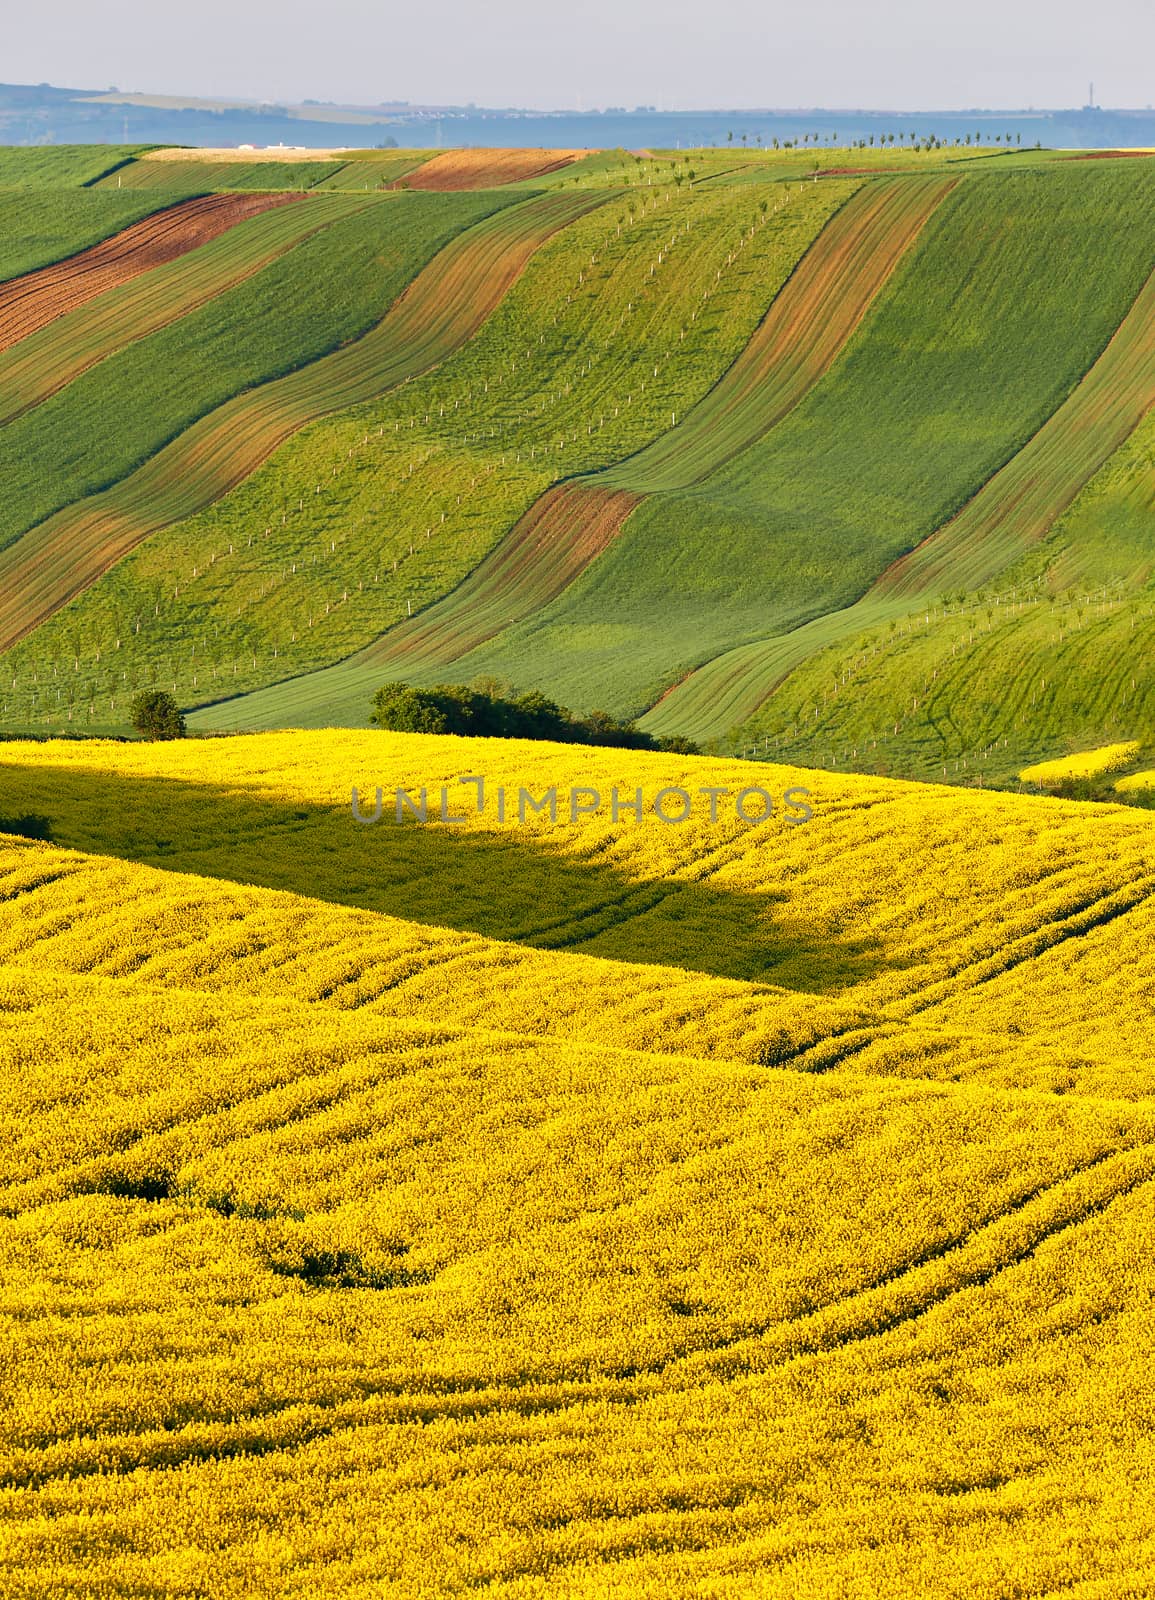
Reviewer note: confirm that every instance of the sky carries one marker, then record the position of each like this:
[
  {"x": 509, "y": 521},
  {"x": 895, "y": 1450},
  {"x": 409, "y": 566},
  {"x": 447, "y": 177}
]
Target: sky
[{"x": 588, "y": 54}]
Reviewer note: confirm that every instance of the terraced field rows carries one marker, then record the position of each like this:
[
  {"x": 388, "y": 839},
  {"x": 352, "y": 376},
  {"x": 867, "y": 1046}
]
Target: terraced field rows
[
  {"x": 563, "y": 373},
  {"x": 804, "y": 331},
  {"x": 442, "y": 308},
  {"x": 822, "y": 503}
]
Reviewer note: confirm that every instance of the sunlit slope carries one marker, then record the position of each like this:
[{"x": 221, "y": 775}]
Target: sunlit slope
[
  {"x": 43, "y": 362},
  {"x": 487, "y": 168},
  {"x": 893, "y": 900},
  {"x": 1057, "y": 654},
  {"x": 990, "y": 537},
  {"x": 105, "y": 423},
  {"x": 61, "y": 166},
  {"x": 318, "y": 552},
  {"x": 982, "y": 333},
  {"x": 31, "y": 302},
  {"x": 347, "y": 1255},
  {"x": 58, "y": 558},
  {"x": 39, "y": 226},
  {"x": 572, "y": 524}
]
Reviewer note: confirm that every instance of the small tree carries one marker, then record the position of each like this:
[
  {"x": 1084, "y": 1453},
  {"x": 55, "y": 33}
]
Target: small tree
[{"x": 155, "y": 714}]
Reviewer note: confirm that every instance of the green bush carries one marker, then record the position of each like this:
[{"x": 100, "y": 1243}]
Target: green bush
[
  {"x": 487, "y": 713},
  {"x": 155, "y": 714}
]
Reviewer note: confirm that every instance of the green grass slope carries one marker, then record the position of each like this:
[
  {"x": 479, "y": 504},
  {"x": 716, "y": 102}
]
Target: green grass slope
[
  {"x": 442, "y": 308},
  {"x": 1059, "y": 654},
  {"x": 202, "y": 176},
  {"x": 983, "y": 332},
  {"x": 56, "y": 166},
  {"x": 561, "y": 377},
  {"x": 808, "y": 322},
  {"x": 99, "y": 428},
  {"x": 989, "y": 538},
  {"x": 43, "y": 362}
]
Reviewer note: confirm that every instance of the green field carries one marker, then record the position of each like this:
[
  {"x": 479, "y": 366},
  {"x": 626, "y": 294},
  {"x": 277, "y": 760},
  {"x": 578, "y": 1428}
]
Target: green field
[
  {"x": 523, "y": 389},
  {"x": 673, "y": 347},
  {"x": 39, "y": 226},
  {"x": 62, "y": 166},
  {"x": 201, "y": 177},
  {"x": 43, "y": 362},
  {"x": 805, "y": 519}
]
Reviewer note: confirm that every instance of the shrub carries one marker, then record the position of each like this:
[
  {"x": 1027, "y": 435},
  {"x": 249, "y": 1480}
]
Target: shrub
[
  {"x": 491, "y": 712},
  {"x": 155, "y": 714}
]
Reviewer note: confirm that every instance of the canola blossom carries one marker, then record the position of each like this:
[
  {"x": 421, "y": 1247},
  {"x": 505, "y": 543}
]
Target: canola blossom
[
  {"x": 568, "y": 1209},
  {"x": 1087, "y": 764}
]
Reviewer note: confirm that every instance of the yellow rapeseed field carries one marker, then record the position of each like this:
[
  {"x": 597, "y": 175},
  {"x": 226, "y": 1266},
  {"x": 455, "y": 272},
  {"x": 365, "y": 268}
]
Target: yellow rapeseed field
[
  {"x": 1087, "y": 764},
  {"x": 1136, "y": 780},
  {"x": 569, "y": 1207}
]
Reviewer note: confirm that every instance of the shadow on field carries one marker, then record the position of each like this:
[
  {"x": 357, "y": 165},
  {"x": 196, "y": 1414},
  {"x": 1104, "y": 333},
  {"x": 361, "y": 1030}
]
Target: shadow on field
[{"x": 514, "y": 885}]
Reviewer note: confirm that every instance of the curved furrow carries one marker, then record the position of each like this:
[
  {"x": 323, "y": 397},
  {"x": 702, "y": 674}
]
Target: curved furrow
[
  {"x": 809, "y": 322},
  {"x": 45, "y": 361},
  {"x": 487, "y": 169},
  {"x": 442, "y": 308},
  {"x": 558, "y": 536},
  {"x": 30, "y": 303},
  {"x": 1013, "y": 510}
]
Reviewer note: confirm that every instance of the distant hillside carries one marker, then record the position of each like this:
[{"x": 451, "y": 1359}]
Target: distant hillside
[{"x": 45, "y": 114}]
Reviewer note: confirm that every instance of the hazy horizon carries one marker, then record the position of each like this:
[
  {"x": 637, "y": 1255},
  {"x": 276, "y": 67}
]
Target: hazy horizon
[{"x": 626, "y": 54}]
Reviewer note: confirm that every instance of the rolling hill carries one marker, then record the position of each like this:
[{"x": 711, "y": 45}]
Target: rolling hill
[
  {"x": 599, "y": 1204},
  {"x": 722, "y": 422},
  {"x": 435, "y": 1165}
]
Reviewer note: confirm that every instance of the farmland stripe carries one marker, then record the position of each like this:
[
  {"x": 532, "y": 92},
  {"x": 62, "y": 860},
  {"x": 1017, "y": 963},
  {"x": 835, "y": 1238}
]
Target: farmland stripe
[
  {"x": 44, "y": 362},
  {"x": 487, "y": 169},
  {"x": 33, "y": 301},
  {"x": 443, "y": 307},
  {"x": 1012, "y": 511},
  {"x": 806, "y": 327}
]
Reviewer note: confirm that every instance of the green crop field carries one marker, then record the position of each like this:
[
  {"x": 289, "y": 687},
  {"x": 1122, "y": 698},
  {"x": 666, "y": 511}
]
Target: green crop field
[
  {"x": 931, "y": 397},
  {"x": 676, "y": 466},
  {"x": 109, "y": 421},
  {"x": 199, "y": 177},
  {"x": 523, "y": 389},
  {"x": 39, "y": 226},
  {"x": 45, "y": 361},
  {"x": 62, "y": 165}
]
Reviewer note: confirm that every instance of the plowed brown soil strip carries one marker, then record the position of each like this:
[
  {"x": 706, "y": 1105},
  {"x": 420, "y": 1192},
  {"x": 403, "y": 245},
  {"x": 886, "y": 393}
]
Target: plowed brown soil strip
[
  {"x": 487, "y": 169},
  {"x": 553, "y": 542},
  {"x": 1109, "y": 155},
  {"x": 443, "y": 307},
  {"x": 807, "y": 326},
  {"x": 33, "y": 301}
]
